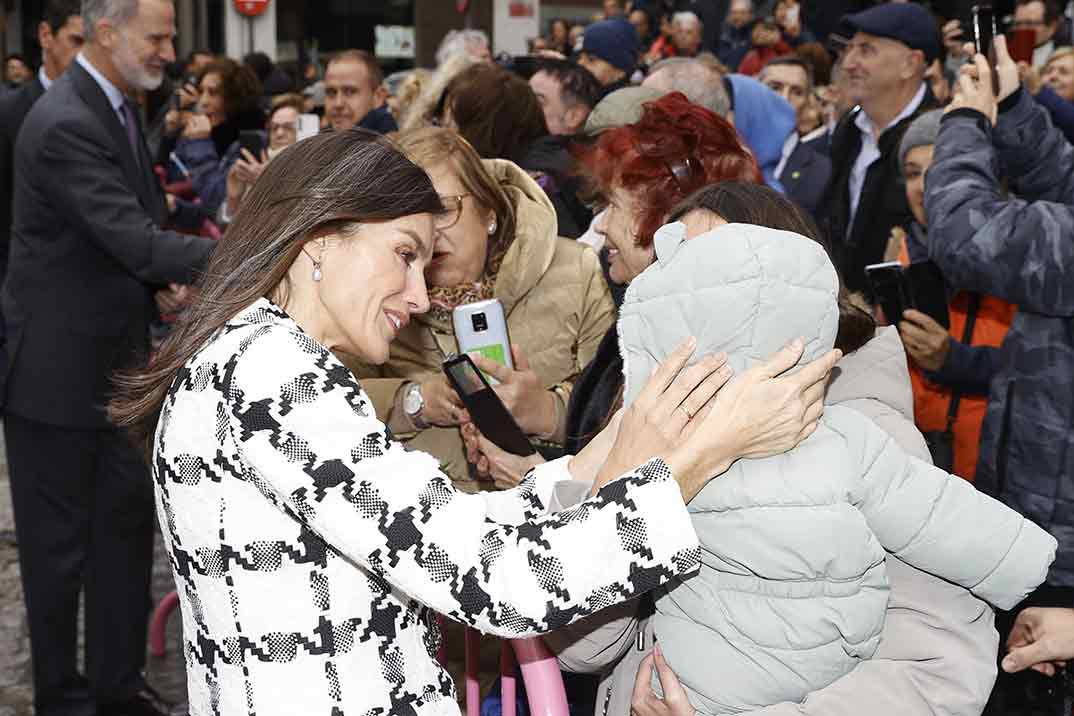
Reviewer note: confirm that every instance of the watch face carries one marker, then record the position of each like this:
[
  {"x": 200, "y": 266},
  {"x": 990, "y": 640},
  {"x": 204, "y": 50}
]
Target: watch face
[{"x": 412, "y": 401}]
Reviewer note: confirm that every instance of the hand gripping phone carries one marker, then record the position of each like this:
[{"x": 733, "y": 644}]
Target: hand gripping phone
[
  {"x": 481, "y": 328},
  {"x": 919, "y": 286},
  {"x": 485, "y": 407},
  {"x": 252, "y": 141}
]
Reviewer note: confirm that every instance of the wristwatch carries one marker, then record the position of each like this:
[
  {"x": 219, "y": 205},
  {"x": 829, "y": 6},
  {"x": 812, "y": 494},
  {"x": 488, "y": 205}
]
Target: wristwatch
[{"x": 413, "y": 403}]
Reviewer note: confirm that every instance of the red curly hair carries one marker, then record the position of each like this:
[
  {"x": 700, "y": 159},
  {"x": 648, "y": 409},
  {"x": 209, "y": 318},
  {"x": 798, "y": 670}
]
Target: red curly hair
[{"x": 675, "y": 148}]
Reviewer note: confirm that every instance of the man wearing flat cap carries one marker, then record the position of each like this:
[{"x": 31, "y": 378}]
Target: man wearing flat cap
[{"x": 889, "y": 50}]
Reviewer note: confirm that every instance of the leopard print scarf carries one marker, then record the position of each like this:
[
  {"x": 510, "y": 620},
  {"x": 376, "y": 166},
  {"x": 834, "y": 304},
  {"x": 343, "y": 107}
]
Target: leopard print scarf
[{"x": 444, "y": 299}]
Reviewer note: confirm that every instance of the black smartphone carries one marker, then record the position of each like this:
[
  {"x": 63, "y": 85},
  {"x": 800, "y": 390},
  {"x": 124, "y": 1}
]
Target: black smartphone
[
  {"x": 252, "y": 141},
  {"x": 886, "y": 282},
  {"x": 919, "y": 286},
  {"x": 983, "y": 24},
  {"x": 928, "y": 291},
  {"x": 485, "y": 408}
]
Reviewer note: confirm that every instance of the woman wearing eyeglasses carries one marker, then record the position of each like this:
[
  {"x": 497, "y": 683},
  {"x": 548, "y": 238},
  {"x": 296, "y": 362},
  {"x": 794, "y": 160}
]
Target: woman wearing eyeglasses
[
  {"x": 282, "y": 132},
  {"x": 498, "y": 240}
]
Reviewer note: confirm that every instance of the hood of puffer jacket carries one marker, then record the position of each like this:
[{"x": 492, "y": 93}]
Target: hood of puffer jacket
[
  {"x": 741, "y": 289},
  {"x": 536, "y": 231}
]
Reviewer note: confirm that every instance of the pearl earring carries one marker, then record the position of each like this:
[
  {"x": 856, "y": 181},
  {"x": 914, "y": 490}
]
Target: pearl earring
[
  {"x": 492, "y": 227},
  {"x": 317, "y": 271}
]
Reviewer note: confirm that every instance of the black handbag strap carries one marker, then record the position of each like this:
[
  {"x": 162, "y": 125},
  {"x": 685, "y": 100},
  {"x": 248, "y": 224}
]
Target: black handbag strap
[{"x": 967, "y": 336}]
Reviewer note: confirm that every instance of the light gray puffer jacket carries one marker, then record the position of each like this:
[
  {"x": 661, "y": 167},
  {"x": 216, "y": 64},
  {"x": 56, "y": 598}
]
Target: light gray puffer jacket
[{"x": 792, "y": 590}]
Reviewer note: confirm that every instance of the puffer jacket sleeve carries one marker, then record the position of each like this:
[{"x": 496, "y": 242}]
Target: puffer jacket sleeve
[
  {"x": 940, "y": 523},
  {"x": 1020, "y": 251},
  {"x": 496, "y": 561},
  {"x": 1033, "y": 153}
]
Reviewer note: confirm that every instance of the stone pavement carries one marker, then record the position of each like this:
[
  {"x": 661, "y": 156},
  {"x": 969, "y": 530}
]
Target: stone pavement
[{"x": 16, "y": 695}]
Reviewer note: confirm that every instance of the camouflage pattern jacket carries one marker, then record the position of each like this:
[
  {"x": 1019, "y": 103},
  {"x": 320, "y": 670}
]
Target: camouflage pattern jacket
[{"x": 1022, "y": 250}]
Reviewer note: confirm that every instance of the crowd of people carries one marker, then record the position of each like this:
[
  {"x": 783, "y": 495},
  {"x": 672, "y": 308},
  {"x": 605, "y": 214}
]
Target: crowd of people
[{"x": 761, "y": 478}]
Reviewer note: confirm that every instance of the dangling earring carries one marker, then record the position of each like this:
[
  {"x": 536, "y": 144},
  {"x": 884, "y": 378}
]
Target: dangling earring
[
  {"x": 492, "y": 227},
  {"x": 317, "y": 276}
]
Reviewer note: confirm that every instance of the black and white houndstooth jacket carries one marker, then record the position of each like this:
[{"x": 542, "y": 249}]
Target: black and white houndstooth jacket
[{"x": 310, "y": 550}]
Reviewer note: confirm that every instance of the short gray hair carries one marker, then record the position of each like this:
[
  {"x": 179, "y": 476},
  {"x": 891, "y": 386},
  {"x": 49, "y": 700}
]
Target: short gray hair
[
  {"x": 118, "y": 11},
  {"x": 456, "y": 42},
  {"x": 700, "y": 81},
  {"x": 686, "y": 18}
]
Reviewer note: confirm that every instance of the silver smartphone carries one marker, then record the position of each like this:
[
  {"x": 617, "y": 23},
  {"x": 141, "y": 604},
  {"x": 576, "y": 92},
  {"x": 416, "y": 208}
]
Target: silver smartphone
[
  {"x": 482, "y": 328},
  {"x": 309, "y": 125}
]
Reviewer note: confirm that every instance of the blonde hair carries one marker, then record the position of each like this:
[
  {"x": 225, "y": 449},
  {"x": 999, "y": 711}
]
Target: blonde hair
[
  {"x": 1061, "y": 53},
  {"x": 432, "y": 146},
  {"x": 423, "y": 109},
  {"x": 411, "y": 88}
]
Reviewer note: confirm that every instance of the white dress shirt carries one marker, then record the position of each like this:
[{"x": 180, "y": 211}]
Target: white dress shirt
[
  {"x": 43, "y": 78},
  {"x": 870, "y": 150},
  {"x": 113, "y": 93}
]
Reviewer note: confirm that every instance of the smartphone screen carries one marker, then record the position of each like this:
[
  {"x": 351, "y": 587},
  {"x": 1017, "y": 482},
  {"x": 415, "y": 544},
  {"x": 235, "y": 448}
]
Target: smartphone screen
[{"x": 466, "y": 377}]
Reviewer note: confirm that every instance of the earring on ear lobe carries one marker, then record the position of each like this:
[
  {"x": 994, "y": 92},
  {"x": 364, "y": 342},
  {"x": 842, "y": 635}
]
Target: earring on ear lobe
[
  {"x": 317, "y": 275},
  {"x": 492, "y": 227}
]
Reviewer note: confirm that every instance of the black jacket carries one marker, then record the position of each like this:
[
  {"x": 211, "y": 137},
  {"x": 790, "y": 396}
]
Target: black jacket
[
  {"x": 86, "y": 255},
  {"x": 549, "y": 161},
  {"x": 596, "y": 392},
  {"x": 883, "y": 196},
  {"x": 14, "y": 106}
]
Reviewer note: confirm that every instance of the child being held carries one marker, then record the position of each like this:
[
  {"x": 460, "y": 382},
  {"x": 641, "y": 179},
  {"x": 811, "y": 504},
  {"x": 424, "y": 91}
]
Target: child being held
[{"x": 792, "y": 590}]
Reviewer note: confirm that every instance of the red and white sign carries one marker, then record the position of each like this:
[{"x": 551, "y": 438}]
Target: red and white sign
[{"x": 251, "y": 8}]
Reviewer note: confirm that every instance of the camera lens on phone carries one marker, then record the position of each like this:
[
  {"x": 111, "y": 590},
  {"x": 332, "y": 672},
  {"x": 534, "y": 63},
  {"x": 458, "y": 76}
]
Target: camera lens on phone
[{"x": 480, "y": 322}]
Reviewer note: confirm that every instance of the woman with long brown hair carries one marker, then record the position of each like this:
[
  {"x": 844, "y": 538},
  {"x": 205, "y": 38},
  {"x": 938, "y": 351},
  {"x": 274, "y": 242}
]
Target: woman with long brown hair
[{"x": 309, "y": 548}]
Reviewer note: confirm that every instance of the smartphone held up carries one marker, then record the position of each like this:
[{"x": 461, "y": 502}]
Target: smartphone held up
[
  {"x": 481, "y": 328},
  {"x": 985, "y": 29}
]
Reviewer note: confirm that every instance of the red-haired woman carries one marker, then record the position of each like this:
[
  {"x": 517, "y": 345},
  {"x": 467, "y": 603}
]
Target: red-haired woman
[{"x": 643, "y": 170}]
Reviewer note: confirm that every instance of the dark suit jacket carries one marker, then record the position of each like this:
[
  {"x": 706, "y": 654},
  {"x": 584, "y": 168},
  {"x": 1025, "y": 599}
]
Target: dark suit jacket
[
  {"x": 822, "y": 144},
  {"x": 87, "y": 252},
  {"x": 805, "y": 176},
  {"x": 882, "y": 205},
  {"x": 14, "y": 106}
]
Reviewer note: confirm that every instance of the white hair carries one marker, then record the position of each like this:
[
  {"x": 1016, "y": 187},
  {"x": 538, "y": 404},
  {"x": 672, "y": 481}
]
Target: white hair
[
  {"x": 747, "y": 3},
  {"x": 459, "y": 41},
  {"x": 699, "y": 81},
  {"x": 686, "y": 18},
  {"x": 118, "y": 11}
]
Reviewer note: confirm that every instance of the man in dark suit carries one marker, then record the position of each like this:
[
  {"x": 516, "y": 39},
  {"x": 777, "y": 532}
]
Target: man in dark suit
[
  {"x": 60, "y": 36},
  {"x": 87, "y": 255},
  {"x": 803, "y": 172}
]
